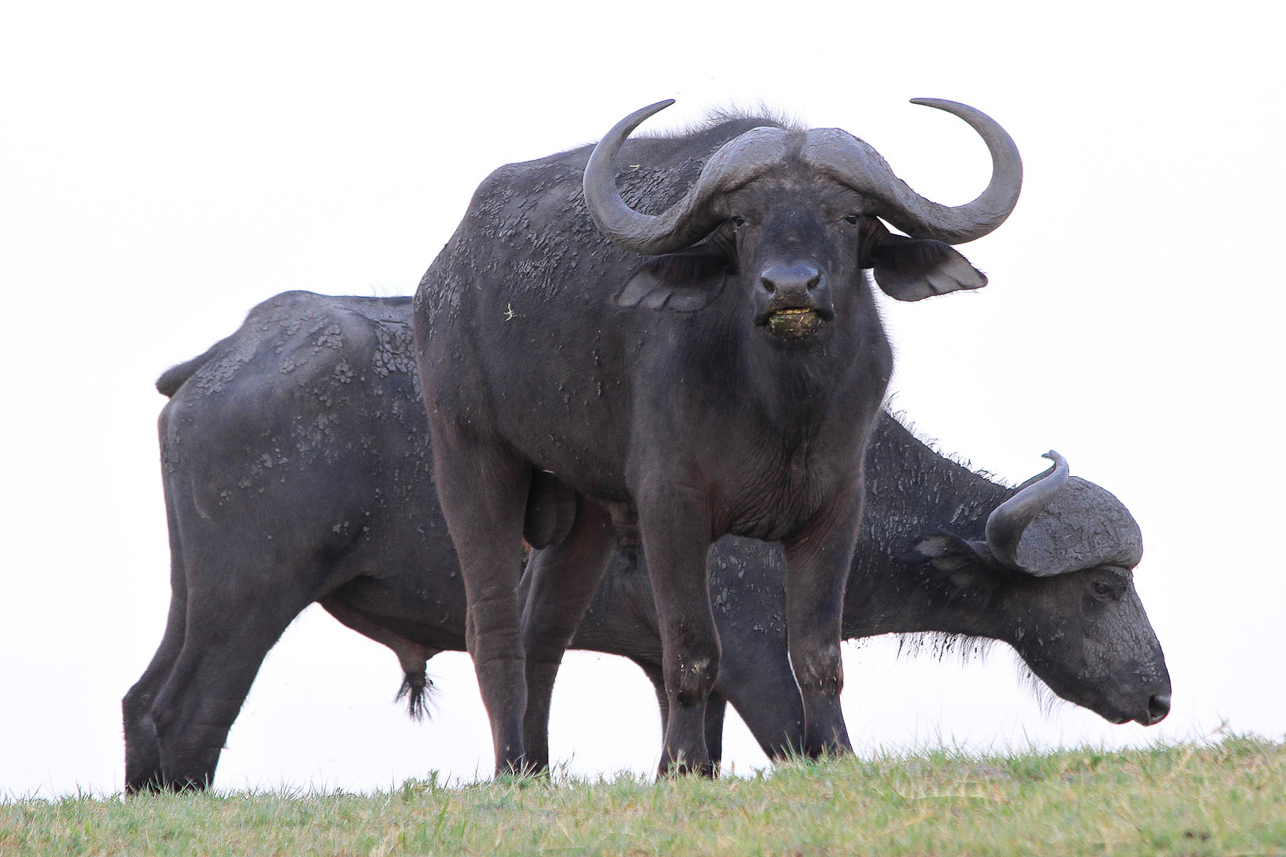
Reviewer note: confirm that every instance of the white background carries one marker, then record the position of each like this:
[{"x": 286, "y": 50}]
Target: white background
[{"x": 164, "y": 167}]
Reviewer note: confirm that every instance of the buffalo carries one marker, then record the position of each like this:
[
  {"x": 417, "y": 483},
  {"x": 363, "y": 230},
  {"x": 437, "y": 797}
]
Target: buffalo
[
  {"x": 296, "y": 469},
  {"x": 714, "y": 368}
]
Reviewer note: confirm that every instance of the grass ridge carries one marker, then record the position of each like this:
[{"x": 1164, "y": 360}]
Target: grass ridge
[{"x": 1223, "y": 798}]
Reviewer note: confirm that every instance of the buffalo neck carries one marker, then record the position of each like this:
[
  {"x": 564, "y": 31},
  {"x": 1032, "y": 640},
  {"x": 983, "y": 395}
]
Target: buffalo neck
[{"x": 913, "y": 492}]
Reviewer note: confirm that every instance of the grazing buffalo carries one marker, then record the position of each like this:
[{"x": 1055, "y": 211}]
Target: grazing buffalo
[
  {"x": 297, "y": 469},
  {"x": 711, "y": 369}
]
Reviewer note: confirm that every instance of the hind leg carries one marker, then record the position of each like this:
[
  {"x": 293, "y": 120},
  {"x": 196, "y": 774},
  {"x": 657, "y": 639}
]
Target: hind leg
[
  {"x": 817, "y": 567},
  {"x": 563, "y": 581},
  {"x": 142, "y": 750},
  {"x": 228, "y": 635},
  {"x": 483, "y": 491}
]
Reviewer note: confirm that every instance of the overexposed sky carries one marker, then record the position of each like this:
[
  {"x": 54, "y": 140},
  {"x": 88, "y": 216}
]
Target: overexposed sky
[{"x": 164, "y": 167}]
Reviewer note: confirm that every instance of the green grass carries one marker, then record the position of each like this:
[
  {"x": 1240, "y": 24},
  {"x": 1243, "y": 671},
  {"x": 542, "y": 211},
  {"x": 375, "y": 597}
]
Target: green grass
[{"x": 1228, "y": 798}]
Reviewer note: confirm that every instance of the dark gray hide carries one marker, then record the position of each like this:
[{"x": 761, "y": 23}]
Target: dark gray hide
[
  {"x": 714, "y": 368},
  {"x": 296, "y": 469}
]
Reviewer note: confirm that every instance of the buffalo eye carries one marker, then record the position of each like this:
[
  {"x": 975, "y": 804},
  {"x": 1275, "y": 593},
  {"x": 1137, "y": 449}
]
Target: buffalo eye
[{"x": 1103, "y": 590}]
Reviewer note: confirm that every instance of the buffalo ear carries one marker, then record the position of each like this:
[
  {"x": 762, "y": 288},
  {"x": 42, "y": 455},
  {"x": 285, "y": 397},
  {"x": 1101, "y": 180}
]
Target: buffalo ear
[
  {"x": 964, "y": 563},
  {"x": 911, "y": 269},
  {"x": 684, "y": 282},
  {"x": 952, "y": 554},
  {"x": 949, "y": 553}
]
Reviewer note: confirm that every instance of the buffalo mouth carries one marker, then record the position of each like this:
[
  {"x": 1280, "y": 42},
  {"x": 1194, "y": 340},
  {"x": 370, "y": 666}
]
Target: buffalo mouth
[
  {"x": 793, "y": 324},
  {"x": 1153, "y": 712}
]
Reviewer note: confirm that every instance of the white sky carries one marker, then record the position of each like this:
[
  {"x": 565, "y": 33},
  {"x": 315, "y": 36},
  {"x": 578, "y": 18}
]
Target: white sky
[{"x": 164, "y": 167}]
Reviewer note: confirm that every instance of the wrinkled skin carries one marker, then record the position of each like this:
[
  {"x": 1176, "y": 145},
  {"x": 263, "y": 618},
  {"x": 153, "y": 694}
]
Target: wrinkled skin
[
  {"x": 573, "y": 384},
  {"x": 296, "y": 469}
]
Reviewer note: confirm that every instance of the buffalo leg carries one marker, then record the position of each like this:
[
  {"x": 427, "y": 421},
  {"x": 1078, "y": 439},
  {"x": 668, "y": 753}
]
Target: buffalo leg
[
  {"x": 142, "y": 750},
  {"x": 483, "y": 491},
  {"x": 224, "y": 646},
  {"x": 564, "y": 578},
  {"x": 655, "y": 675},
  {"x": 759, "y": 683},
  {"x": 756, "y": 677},
  {"x": 716, "y": 709},
  {"x": 817, "y": 567},
  {"x": 675, "y": 543}
]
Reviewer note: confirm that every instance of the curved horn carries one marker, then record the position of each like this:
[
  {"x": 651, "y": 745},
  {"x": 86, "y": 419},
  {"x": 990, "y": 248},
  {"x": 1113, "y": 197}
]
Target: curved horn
[
  {"x": 691, "y": 218},
  {"x": 1007, "y": 521},
  {"x": 857, "y": 164}
]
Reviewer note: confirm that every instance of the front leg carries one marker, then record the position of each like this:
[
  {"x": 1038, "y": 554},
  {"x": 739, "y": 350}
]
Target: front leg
[
  {"x": 756, "y": 677},
  {"x": 817, "y": 566},
  {"x": 675, "y": 528},
  {"x": 716, "y": 709}
]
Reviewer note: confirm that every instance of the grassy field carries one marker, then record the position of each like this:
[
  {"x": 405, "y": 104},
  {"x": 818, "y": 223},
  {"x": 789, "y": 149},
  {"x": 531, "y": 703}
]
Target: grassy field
[{"x": 1228, "y": 798}]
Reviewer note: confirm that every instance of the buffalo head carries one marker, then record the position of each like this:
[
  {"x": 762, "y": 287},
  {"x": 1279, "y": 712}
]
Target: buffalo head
[
  {"x": 1059, "y": 559},
  {"x": 795, "y": 217}
]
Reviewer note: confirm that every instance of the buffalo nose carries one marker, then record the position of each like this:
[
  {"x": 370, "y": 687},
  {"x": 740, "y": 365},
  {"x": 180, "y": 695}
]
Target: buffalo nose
[
  {"x": 1158, "y": 708},
  {"x": 785, "y": 281}
]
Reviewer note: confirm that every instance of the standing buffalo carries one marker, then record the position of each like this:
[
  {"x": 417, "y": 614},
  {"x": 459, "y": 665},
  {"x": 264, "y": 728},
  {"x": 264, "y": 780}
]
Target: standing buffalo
[
  {"x": 297, "y": 469},
  {"x": 712, "y": 369}
]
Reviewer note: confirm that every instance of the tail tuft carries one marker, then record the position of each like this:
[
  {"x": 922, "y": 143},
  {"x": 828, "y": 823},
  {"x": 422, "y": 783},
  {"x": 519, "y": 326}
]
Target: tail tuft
[{"x": 417, "y": 688}]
